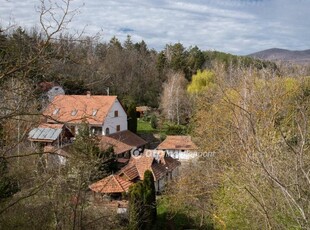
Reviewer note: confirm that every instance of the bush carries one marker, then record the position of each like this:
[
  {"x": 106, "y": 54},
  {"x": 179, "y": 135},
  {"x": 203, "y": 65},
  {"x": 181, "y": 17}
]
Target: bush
[
  {"x": 154, "y": 122},
  {"x": 176, "y": 130}
]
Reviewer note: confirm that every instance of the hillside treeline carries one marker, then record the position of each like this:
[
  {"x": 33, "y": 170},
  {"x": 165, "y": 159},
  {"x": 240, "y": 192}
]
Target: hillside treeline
[{"x": 130, "y": 70}]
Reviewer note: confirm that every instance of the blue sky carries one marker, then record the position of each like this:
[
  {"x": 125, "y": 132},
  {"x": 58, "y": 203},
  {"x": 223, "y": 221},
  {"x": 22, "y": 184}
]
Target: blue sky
[{"x": 234, "y": 26}]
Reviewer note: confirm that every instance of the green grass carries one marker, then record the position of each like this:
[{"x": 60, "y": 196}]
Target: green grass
[
  {"x": 166, "y": 221},
  {"x": 145, "y": 127},
  {"x": 165, "y": 129}
]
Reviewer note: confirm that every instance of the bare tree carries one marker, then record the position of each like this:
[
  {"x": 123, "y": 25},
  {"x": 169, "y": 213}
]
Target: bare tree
[{"x": 174, "y": 99}]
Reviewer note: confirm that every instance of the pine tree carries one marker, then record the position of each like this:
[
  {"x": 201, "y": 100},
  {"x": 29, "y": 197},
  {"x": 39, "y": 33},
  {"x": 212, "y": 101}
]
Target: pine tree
[
  {"x": 136, "y": 206},
  {"x": 149, "y": 199},
  {"x": 142, "y": 203},
  {"x": 132, "y": 118}
]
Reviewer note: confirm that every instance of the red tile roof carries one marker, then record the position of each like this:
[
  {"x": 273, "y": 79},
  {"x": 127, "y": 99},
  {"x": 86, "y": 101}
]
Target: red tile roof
[
  {"x": 130, "y": 172},
  {"x": 178, "y": 142},
  {"x": 51, "y": 126},
  {"x": 121, "y": 141},
  {"x": 74, "y": 108},
  {"x": 134, "y": 170},
  {"x": 159, "y": 165},
  {"x": 128, "y": 138},
  {"x": 118, "y": 146},
  {"x": 111, "y": 184}
]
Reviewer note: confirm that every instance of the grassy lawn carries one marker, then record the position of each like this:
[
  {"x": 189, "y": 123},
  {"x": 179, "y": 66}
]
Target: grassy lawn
[
  {"x": 166, "y": 221},
  {"x": 145, "y": 127}
]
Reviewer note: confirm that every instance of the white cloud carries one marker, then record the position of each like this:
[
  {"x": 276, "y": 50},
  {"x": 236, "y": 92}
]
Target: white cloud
[{"x": 237, "y": 26}]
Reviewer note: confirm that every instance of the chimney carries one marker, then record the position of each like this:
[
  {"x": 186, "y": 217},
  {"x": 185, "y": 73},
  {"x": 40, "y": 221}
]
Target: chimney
[
  {"x": 88, "y": 94},
  {"x": 156, "y": 156}
]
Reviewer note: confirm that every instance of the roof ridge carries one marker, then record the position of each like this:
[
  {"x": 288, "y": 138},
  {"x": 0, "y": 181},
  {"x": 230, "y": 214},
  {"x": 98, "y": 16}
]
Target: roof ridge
[{"x": 106, "y": 180}]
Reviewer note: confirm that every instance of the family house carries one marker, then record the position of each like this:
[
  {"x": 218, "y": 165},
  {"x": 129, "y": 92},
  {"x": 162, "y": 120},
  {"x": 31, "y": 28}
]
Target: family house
[
  {"x": 179, "y": 147},
  {"x": 163, "y": 168},
  {"x": 104, "y": 114},
  {"x": 123, "y": 143}
]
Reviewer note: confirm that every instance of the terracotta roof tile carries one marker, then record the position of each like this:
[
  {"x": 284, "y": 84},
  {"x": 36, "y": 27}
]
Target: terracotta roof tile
[
  {"x": 135, "y": 170},
  {"x": 128, "y": 138},
  {"x": 118, "y": 146},
  {"x": 138, "y": 165},
  {"x": 111, "y": 184},
  {"x": 51, "y": 126},
  {"x": 121, "y": 141},
  {"x": 74, "y": 108},
  {"x": 130, "y": 172},
  {"x": 177, "y": 142}
]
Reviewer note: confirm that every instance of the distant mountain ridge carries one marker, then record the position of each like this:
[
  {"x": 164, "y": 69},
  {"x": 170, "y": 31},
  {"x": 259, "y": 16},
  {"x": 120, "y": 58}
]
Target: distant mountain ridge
[{"x": 276, "y": 54}]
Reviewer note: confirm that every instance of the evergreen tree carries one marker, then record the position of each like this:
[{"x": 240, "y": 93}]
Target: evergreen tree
[
  {"x": 88, "y": 155},
  {"x": 142, "y": 203},
  {"x": 132, "y": 118},
  {"x": 85, "y": 144},
  {"x": 149, "y": 199},
  {"x": 195, "y": 61},
  {"x": 136, "y": 206}
]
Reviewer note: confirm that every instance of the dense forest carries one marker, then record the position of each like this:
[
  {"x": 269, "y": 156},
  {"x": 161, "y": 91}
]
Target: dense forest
[{"x": 252, "y": 114}]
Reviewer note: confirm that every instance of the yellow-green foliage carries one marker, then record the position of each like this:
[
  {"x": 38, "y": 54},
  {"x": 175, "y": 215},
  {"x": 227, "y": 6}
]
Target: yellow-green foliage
[
  {"x": 258, "y": 128},
  {"x": 201, "y": 81},
  {"x": 291, "y": 84}
]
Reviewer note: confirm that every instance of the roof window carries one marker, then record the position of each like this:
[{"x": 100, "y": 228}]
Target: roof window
[
  {"x": 94, "y": 112},
  {"x": 74, "y": 112},
  {"x": 56, "y": 111}
]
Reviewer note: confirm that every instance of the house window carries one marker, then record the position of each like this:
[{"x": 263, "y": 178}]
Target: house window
[
  {"x": 118, "y": 128},
  {"x": 115, "y": 113},
  {"x": 107, "y": 131}
]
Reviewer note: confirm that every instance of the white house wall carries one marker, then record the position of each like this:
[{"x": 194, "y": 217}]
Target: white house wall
[
  {"x": 181, "y": 155},
  {"x": 111, "y": 121}
]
